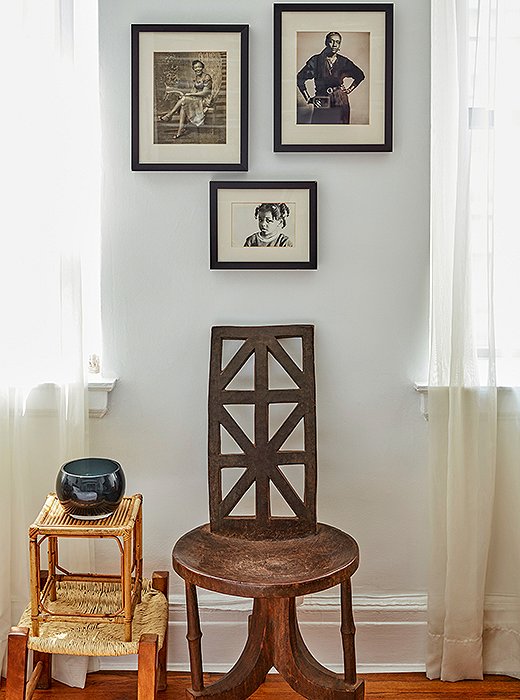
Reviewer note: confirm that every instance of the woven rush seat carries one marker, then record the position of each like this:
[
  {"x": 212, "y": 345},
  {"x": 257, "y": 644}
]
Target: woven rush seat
[{"x": 97, "y": 638}]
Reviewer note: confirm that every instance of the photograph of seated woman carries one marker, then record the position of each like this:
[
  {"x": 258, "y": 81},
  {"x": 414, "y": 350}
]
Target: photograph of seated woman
[
  {"x": 272, "y": 218},
  {"x": 192, "y": 106}
]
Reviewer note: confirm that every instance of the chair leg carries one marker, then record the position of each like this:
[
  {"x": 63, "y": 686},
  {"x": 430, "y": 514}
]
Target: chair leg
[
  {"x": 16, "y": 663},
  {"x": 348, "y": 630},
  {"x": 194, "y": 637},
  {"x": 250, "y": 670},
  {"x": 160, "y": 581},
  {"x": 147, "y": 667}
]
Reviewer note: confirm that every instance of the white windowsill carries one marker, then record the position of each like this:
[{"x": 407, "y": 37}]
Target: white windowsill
[
  {"x": 507, "y": 400},
  {"x": 98, "y": 390},
  {"x": 422, "y": 389}
]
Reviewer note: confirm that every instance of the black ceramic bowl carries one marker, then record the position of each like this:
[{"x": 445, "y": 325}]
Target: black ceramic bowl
[{"x": 90, "y": 488}]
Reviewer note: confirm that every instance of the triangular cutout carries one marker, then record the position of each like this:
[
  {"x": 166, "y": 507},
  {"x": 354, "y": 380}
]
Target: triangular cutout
[
  {"x": 279, "y": 506},
  {"x": 295, "y": 475},
  {"x": 244, "y": 379},
  {"x": 278, "y": 377},
  {"x": 229, "y": 350},
  {"x": 246, "y": 505},
  {"x": 244, "y": 417},
  {"x": 294, "y": 348},
  {"x": 228, "y": 445},
  {"x": 229, "y": 477},
  {"x": 278, "y": 414},
  {"x": 296, "y": 440}
]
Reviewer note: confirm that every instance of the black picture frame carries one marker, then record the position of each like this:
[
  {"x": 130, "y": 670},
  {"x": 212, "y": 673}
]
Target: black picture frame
[
  {"x": 332, "y": 119},
  {"x": 206, "y": 132},
  {"x": 239, "y": 210}
]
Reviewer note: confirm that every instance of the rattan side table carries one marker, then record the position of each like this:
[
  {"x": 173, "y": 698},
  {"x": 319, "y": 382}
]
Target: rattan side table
[{"x": 124, "y": 526}]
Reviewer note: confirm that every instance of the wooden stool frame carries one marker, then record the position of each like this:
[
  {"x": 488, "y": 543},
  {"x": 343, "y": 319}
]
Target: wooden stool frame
[{"x": 151, "y": 661}]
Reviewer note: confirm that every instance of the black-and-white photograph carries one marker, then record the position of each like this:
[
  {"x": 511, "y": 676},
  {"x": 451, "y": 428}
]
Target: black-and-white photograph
[
  {"x": 332, "y": 68},
  {"x": 263, "y": 225},
  {"x": 190, "y": 97},
  {"x": 273, "y": 221},
  {"x": 333, "y": 77}
]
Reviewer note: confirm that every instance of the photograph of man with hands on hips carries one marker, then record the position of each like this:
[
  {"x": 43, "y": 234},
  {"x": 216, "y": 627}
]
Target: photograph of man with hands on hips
[{"x": 332, "y": 77}]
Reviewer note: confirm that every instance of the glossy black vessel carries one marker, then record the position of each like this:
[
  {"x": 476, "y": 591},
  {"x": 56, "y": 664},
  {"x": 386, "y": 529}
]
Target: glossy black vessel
[{"x": 90, "y": 488}]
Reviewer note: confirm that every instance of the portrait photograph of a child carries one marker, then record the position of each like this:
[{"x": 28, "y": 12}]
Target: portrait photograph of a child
[{"x": 263, "y": 225}]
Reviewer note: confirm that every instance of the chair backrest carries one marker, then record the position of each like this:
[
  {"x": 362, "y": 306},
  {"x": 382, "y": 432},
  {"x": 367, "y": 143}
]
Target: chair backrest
[{"x": 261, "y": 397}]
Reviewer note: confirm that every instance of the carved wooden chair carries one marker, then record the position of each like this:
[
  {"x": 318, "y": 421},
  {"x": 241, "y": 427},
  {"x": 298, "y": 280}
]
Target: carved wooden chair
[{"x": 270, "y": 558}]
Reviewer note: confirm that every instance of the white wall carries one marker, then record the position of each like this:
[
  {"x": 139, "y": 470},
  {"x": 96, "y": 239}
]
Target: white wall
[{"x": 368, "y": 301}]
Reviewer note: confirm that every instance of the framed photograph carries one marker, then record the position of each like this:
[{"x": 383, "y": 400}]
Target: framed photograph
[
  {"x": 189, "y": 96},
  {"x": 333, "y": 77},
  {"x": 263, "y": 225}
]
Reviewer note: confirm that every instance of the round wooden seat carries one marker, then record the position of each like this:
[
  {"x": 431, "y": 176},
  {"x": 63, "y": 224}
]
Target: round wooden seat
[{"x": 266, "y": 568}]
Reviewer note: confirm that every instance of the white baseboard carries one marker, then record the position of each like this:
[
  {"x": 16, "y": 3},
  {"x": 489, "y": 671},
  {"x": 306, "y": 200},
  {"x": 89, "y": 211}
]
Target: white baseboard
[{"x": 390, "y": 636}]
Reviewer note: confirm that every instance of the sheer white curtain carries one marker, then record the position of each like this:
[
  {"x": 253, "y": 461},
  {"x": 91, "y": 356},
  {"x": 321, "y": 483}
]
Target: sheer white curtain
[
  {"x": 49, "y": 125},
  {"x": 474, "y": 609}
]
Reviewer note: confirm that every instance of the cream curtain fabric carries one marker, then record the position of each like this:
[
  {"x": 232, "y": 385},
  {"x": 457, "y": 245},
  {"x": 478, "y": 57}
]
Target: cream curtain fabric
[
  {"x": 43, "y": 395},
  {"x": 474, "y": 611}
]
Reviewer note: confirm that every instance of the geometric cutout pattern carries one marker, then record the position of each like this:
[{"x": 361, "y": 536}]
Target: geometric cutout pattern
[
  {"x": 295, "y": 474},
  {"x": 278, "y": 414},
  {"x": 244, "y": 379},
  {"x": 228, "y": 444},
  {"x": 279, "y": 506},
  {"x": 294, "y": 348},
  {"x": 230, "y": 476},
  {"x": 262, "y": 434},
  {"x": 229, "y": 349},
  {"x": 246, "y": 505},
  {"x": 278, "y": 377},
  {"x": 244, "y": 417},
  {"x": 295, "y": 442}
]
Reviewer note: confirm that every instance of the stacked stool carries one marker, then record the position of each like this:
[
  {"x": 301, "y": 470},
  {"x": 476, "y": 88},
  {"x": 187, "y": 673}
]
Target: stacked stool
[{"x": 90, "y": 614}]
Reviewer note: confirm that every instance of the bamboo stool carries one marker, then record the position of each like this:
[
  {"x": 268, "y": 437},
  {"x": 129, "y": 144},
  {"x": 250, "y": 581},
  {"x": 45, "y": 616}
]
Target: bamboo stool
[
  {"x": 124, "y": 526},
  {"x": 88, "y": 638}
]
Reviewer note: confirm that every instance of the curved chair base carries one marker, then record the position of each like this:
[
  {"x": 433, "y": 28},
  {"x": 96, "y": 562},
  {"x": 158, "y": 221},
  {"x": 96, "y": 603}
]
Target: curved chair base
[{"x": 274, "y": 640}]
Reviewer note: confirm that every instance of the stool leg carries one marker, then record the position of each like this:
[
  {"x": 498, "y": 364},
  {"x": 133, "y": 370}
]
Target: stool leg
[
  {"x": 45, "y": 680},
  {"x": 52, "y": 550},
  {"x": 34, "y": 555},
  {"x": 138, "y": 552},
  {"x": 127, "y": 587},
  {"x": 147, "y": 667},
  {"x": 348, "y": 631},
  {"x": 16, "y": 663},
  {"x": 194, "y": 636},
  {"x": 160, "y": 581}
]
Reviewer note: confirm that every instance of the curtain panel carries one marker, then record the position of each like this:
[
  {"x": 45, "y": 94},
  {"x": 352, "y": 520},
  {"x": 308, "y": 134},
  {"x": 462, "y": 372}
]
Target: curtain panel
[
  {"x": 473, "y": 610},
  {"x": 52, "y": 195}
]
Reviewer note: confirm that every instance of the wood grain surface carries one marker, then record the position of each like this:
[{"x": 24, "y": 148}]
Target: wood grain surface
[{"x": 390, "y": 686}]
